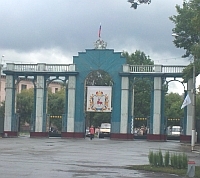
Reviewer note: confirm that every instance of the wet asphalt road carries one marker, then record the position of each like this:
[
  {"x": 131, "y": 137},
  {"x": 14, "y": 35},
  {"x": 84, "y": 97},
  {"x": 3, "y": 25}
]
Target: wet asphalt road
[{"x": 26, "y": 157}]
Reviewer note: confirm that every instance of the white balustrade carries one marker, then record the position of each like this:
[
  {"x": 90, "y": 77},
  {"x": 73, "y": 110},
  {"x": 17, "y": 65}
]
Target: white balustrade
[
  {"x": 66, "y": 68},
  {"x": 34, "y": 68},
  {"x": 151, "y": 69}
]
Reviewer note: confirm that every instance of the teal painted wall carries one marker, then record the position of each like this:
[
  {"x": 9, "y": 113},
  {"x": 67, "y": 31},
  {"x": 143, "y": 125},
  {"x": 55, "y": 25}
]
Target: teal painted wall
[{"x": 98, "y": 59}]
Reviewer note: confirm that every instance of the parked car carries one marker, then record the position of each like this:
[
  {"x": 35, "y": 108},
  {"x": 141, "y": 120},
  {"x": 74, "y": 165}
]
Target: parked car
[
  {"x": 176, "y": 130},
  {"x": 104, "y": 130}
]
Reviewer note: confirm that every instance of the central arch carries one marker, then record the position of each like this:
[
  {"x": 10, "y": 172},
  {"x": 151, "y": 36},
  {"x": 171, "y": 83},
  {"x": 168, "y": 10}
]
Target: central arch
[
  {"x": 102, "y": 82},
  {"x": 112, "y": 63}
]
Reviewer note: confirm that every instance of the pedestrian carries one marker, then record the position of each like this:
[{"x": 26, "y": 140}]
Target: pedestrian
[{"x": 91, "y": 132}]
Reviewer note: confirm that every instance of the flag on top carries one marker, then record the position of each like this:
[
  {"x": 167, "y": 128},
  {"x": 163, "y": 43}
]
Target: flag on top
[
  {"x": 100, "y": 31},
  {"x": 186, "y": 101}
]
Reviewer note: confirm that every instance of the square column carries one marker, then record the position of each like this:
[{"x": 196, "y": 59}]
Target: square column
[
  {"x": 39, "y": 114},
  {"x": 124, "y": 105},
  {"x": 157, "y": 105},
  {"x": 70, "y": 133},
  {"x": 71, "y": 103},
  {"x": 157, "y": 109},
  {"x": 10, "y": 122},
  {"x": 124, "y": 129},
  {"x": 39, "y": 104}
]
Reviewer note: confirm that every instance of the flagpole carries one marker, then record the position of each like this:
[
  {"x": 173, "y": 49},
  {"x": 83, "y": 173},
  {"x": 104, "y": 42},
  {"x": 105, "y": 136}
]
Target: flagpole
[
  {"x": 100, "y": 44},
  {"x": 100, "y": 32},
  {"x": 193, "y": 136}
]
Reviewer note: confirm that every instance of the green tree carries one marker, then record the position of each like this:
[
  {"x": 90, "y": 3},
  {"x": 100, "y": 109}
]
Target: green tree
[
  {"x": 2, "y": 109},
  {"x": 173, "y": 102},
  {"x": 56, "y": 103},
  {"x": 99, "y": 78},
  {"x": 25, "y": 105},
  {"x": 137, "y": 58},
  {"x": 142, "y": 86},
  {"x": 187, "y": 25},
  {"x": 99, "y": 118}
]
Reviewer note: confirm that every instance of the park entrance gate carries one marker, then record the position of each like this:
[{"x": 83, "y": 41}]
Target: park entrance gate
[{"x": 73, "y": 120}]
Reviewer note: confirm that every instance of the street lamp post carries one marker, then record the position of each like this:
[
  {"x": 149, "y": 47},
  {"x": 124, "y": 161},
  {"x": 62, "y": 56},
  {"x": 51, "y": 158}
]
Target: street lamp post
[
  {"x": 193, "y": 136},
  {"x": 194, "y": 107},
  {"x": 0, "y": 75}
]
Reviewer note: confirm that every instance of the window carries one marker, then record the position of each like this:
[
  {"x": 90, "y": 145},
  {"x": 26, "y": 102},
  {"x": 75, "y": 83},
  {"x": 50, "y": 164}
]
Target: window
[
  {"x": 23, "y": 87},
  {"x": 56, "y": 90}
]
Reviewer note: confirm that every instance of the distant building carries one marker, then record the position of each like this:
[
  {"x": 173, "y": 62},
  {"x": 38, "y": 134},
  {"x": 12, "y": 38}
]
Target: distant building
[{"x": 24, "y": 84}]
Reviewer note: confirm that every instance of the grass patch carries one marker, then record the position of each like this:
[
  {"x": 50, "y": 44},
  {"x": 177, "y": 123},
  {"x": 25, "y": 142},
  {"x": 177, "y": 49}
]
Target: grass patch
[{"x": 168, "y": 170}]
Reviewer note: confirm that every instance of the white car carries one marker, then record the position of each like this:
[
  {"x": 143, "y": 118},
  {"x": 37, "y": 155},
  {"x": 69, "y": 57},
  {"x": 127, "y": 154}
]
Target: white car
[
  {"x": 176, "y": 130},
  {"x": 104, "y": 130}
]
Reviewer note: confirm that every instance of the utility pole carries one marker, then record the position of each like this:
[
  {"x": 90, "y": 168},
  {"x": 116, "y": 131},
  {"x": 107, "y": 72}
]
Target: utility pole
[
  {"x": 0, "y": 75},
  {"x": 193, "y": 139},
  {"x": 193, "y": 91}
]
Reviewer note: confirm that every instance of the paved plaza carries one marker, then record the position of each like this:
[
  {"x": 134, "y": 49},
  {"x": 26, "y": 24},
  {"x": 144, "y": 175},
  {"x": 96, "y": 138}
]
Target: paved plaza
[{"x": 26, "y": 157}]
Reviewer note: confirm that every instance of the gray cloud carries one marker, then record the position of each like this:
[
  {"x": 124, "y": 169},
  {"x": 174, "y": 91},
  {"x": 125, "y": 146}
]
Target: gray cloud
[{"x": 72, "y": 26}]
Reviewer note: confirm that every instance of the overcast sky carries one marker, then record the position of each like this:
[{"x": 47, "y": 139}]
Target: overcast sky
[{"x": 53, "y": 31}]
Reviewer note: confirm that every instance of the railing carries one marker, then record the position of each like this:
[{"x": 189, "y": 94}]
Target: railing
[
  {"x": 39, "y": 67},
  {"x": 173, "y": 69},
  {"x": 142, "y": 68},
  {"x": 65, "y": 68},
  {"x": 25, "y": 67},
  {"x": 156, "y": 68},
  {"x": 57, "y": 67}
]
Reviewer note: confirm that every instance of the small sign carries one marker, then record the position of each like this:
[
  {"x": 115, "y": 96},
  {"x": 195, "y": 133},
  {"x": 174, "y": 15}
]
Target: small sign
[
  {"x": 191, "y": 162},
  {"x": 191, "y": 169}
]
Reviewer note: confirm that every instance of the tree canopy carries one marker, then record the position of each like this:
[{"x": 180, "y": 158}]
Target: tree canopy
[
  {"x": 25, "y": 105},
  {"x": 173, "y": 102},
  {"x": 142, "y": 86},
  {"x": 187, "y": 25},
  {"x": 137, "y": 58}
]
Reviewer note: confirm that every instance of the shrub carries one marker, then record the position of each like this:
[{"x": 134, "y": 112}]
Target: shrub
[
  {"x": 175, "y": 160},
  {"x": 155, "y": 159},
  {"x": 166, "y": 158},
  {"x": 150, "y": 156},
  {"x": 172, "y": 159},
  {"x": 178, "y": 161},
  {"x": 185, "y": 161},
  {"x": 160, "y": 158}
]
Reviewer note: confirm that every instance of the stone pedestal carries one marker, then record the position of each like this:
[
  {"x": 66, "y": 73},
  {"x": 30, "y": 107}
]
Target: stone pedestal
[
  {"x": 72, "y": 135},
  {"x": 119, "y": 136},
  {"x": 10, "y": 134},
  {"x": 156, "y": 137},
  {"x": 39, "y": 134},
  {"x": 185, "y": 138}
]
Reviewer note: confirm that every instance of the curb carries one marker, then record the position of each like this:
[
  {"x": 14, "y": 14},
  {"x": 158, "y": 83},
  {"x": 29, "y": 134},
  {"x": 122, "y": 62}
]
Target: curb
[{"x": 196, "y": 151}]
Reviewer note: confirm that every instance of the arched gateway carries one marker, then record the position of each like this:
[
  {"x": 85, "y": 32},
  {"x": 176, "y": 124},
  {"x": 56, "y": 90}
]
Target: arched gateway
[{"x": 121, "y": 94}]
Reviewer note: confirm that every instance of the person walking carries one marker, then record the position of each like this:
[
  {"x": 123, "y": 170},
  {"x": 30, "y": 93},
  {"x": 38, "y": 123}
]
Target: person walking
[{"x": 91, "y": 132}]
